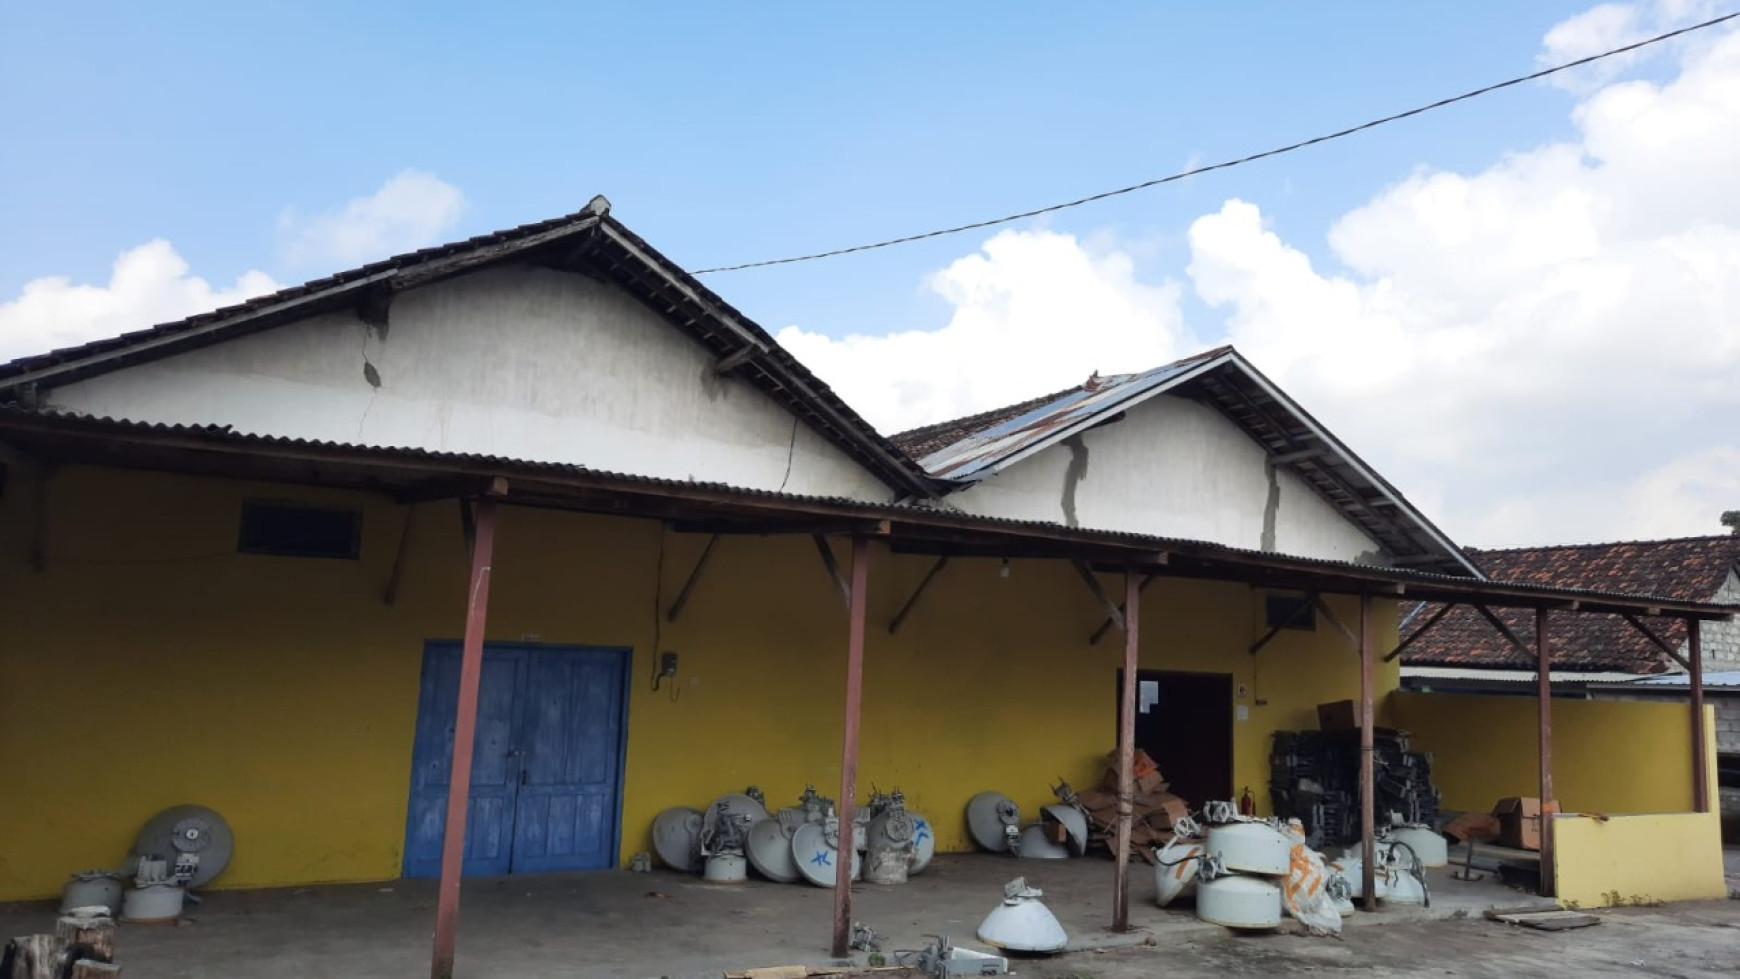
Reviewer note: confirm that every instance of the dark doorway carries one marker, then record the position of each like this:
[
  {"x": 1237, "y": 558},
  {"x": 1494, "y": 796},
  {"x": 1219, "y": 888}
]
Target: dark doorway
[{"x": 1184, "y": 721}]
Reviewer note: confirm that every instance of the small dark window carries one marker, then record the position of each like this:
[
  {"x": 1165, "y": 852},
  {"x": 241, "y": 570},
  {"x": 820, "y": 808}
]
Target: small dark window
[
  {"x": 299, "y": 530},
  {"x": 1291, "y": 612}
]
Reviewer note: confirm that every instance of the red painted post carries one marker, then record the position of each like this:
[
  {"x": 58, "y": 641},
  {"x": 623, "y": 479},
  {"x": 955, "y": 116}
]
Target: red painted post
[
  {"x": 1367, "y": 778},
  {"x": 1700, "y": 732},
  {"x": 1544, "y": 692},
  {"x": 1127, "y": 751},
  {"x": 464, "y": 731},
  {"x": 848, "y": 805}
]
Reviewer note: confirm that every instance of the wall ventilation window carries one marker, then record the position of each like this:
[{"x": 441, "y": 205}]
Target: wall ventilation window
[
  {"x": 299, "y": 530},
  {"x": 1290, "y": 612}
]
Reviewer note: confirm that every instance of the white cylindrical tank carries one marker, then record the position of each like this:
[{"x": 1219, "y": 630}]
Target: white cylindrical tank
[
  {"x": 1239, "y": 902},
  {"x": 1255, "y": 848},
  {"x": 1175, "y": 869},
  {"x": 725, "y": 868},
  {"x": 1428, "y": 844}
]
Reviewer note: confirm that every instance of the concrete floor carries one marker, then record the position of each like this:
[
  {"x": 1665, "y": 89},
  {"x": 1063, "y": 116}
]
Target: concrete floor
[{"x": 636, "y": 925}]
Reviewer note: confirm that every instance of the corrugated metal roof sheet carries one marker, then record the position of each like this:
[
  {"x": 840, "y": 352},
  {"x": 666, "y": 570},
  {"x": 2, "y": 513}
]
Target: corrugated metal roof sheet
[
  {"x": 24, "y": 420},
  {"x": 1718, "y": 678},
  {"x": 985, "y": 452}
]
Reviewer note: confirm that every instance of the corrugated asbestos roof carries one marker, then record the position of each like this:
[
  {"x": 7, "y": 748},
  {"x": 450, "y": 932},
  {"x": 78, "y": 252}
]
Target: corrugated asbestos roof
[
  {"x": 72, "y": 438},
  {"x": 590, "y": 236},
  {"x": 1688, "y": 569}
]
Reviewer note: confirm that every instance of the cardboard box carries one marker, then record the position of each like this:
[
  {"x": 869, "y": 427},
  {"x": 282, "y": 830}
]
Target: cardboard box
[
  {"x": 1143, "y": 767},
  {"x": 1519, "y": 822},
  {"x": 1342, "y": 715},
  {"x": 1479, "y": 827},
  {"x": 1151, "y": 782}
]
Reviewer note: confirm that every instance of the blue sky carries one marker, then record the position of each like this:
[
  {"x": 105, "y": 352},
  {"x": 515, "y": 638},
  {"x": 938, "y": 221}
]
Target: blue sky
[
  {"x": 725, "y": 132},
  {"x": 1519, "y": 308}
]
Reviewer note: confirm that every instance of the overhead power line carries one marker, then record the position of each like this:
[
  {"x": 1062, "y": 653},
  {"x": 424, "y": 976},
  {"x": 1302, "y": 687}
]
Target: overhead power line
[{"x": 1229, "y": 164}]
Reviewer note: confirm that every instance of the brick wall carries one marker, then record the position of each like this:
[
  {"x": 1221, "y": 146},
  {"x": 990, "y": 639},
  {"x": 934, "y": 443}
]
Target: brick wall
[{"x": 1722, "y": 639}]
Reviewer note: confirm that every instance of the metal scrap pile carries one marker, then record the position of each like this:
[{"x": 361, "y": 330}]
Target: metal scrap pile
[{"x": 1314, "y": 777}]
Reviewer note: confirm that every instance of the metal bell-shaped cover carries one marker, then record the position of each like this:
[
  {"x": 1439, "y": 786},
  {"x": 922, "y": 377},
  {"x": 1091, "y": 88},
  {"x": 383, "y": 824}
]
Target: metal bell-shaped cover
[
  {"x": 923, "y": 843},
  {"x": 990, "y": 816},
  {"x": 1022, "y": 923},
  {"x": 677, "y": 837},
  {"x": 769, "y": 849},
  {"x": 813, "y": 850},
  {"x": 1073, "y": 821},
  {"x": 1036, "y": 846},
  {"x": 1175, "y": 869},
  {"x": 735, "y": 805}
]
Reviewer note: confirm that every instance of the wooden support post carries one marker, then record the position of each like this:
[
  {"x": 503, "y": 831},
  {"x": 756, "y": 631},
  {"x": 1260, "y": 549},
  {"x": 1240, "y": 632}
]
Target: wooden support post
[
  {"x": 906, "y": 610},
  {"x": 693, "y": 580},
  {"x": 1549, "y": 806},
  {"x": 848, "y": 804},
  {"x": 1127, "y": 751},
  {"x": 464, "y": 732},
  {"x": 1367, "y": 782},
  {"x": 1700, "y": 733}
]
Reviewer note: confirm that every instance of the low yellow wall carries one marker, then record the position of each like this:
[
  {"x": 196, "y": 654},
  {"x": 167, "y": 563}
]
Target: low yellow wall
[
  {"x": 1638, "y": 859},
  {"x": 148, "y": 664},
  {"x": 1608, "y": 756}
]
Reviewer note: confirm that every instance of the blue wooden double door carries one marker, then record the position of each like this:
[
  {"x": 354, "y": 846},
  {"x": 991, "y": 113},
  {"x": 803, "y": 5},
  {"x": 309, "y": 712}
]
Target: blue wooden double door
[{"x": 546, "y": 770}]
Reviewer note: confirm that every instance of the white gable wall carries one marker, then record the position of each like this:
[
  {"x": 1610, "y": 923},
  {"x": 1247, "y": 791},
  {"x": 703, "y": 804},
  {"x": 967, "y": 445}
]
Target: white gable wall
[
  {"x": 524, "y": 363},
  {"x": 1173, "y": 468}
]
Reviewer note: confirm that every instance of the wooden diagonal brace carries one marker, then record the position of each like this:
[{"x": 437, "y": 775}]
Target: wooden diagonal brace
[
  {"x": 906, "y": 609},
  {"x": 1324, "y": 610},
  {"x": 1422, "y": 630},
  {"x": 694, "y": 578},
  {"x": 1106, "y": 626},
  {"x": 390, "y": 594},
  {"x": 1505, "y": 631},
  {"x": 833, "y": 567},
  {"x": 1275, "y": 630},
  {"x": 1661, "y": 643},
  {"x": 1087, "y": 576}
]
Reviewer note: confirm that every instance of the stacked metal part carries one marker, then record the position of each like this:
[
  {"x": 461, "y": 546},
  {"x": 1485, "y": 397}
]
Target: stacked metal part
[
  {"x": 994, "y": 823},
  {"x": 798, "y": 843},
  {"x": 1314, "y": 778},
  {"x": 1238, "y": 873}
]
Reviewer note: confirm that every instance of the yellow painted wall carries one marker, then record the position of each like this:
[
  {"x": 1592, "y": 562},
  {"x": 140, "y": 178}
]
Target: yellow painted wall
[
  {"x": 1608, "y": 756},
  {"x": 148, "y": 665},
  {"x": 1648, "y": 857}
]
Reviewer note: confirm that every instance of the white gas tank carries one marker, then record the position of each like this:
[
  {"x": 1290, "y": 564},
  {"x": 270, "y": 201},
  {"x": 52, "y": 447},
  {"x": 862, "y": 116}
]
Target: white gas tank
[
  {"x": 1254, "y": 848},
  {"x": 1239, "y": 902}
]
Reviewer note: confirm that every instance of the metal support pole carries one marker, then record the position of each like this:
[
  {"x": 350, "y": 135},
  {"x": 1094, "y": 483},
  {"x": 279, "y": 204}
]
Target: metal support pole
[
  {"x": 1127, "y": 751},
  {"x": 1544, "y": 691},
  {"x": 848, "y": 804},
  {"x": 1367, "y": 787},
  {"x": 1700, "y": 734},
  {"x": 464, "y": 732}
]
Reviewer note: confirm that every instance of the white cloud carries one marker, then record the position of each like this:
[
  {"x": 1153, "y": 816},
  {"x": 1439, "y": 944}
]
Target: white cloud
[
  {"x": 1613, "y": 25},
  {"x": 1034, "y": 312},
  {"x": 149, "y": 284},
  {"x": 411, "y": 210},
  {"x": 1549, "y": 346}
]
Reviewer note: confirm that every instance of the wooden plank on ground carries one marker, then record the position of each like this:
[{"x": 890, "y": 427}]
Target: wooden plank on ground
[{"x": 1553, "y": 920}]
